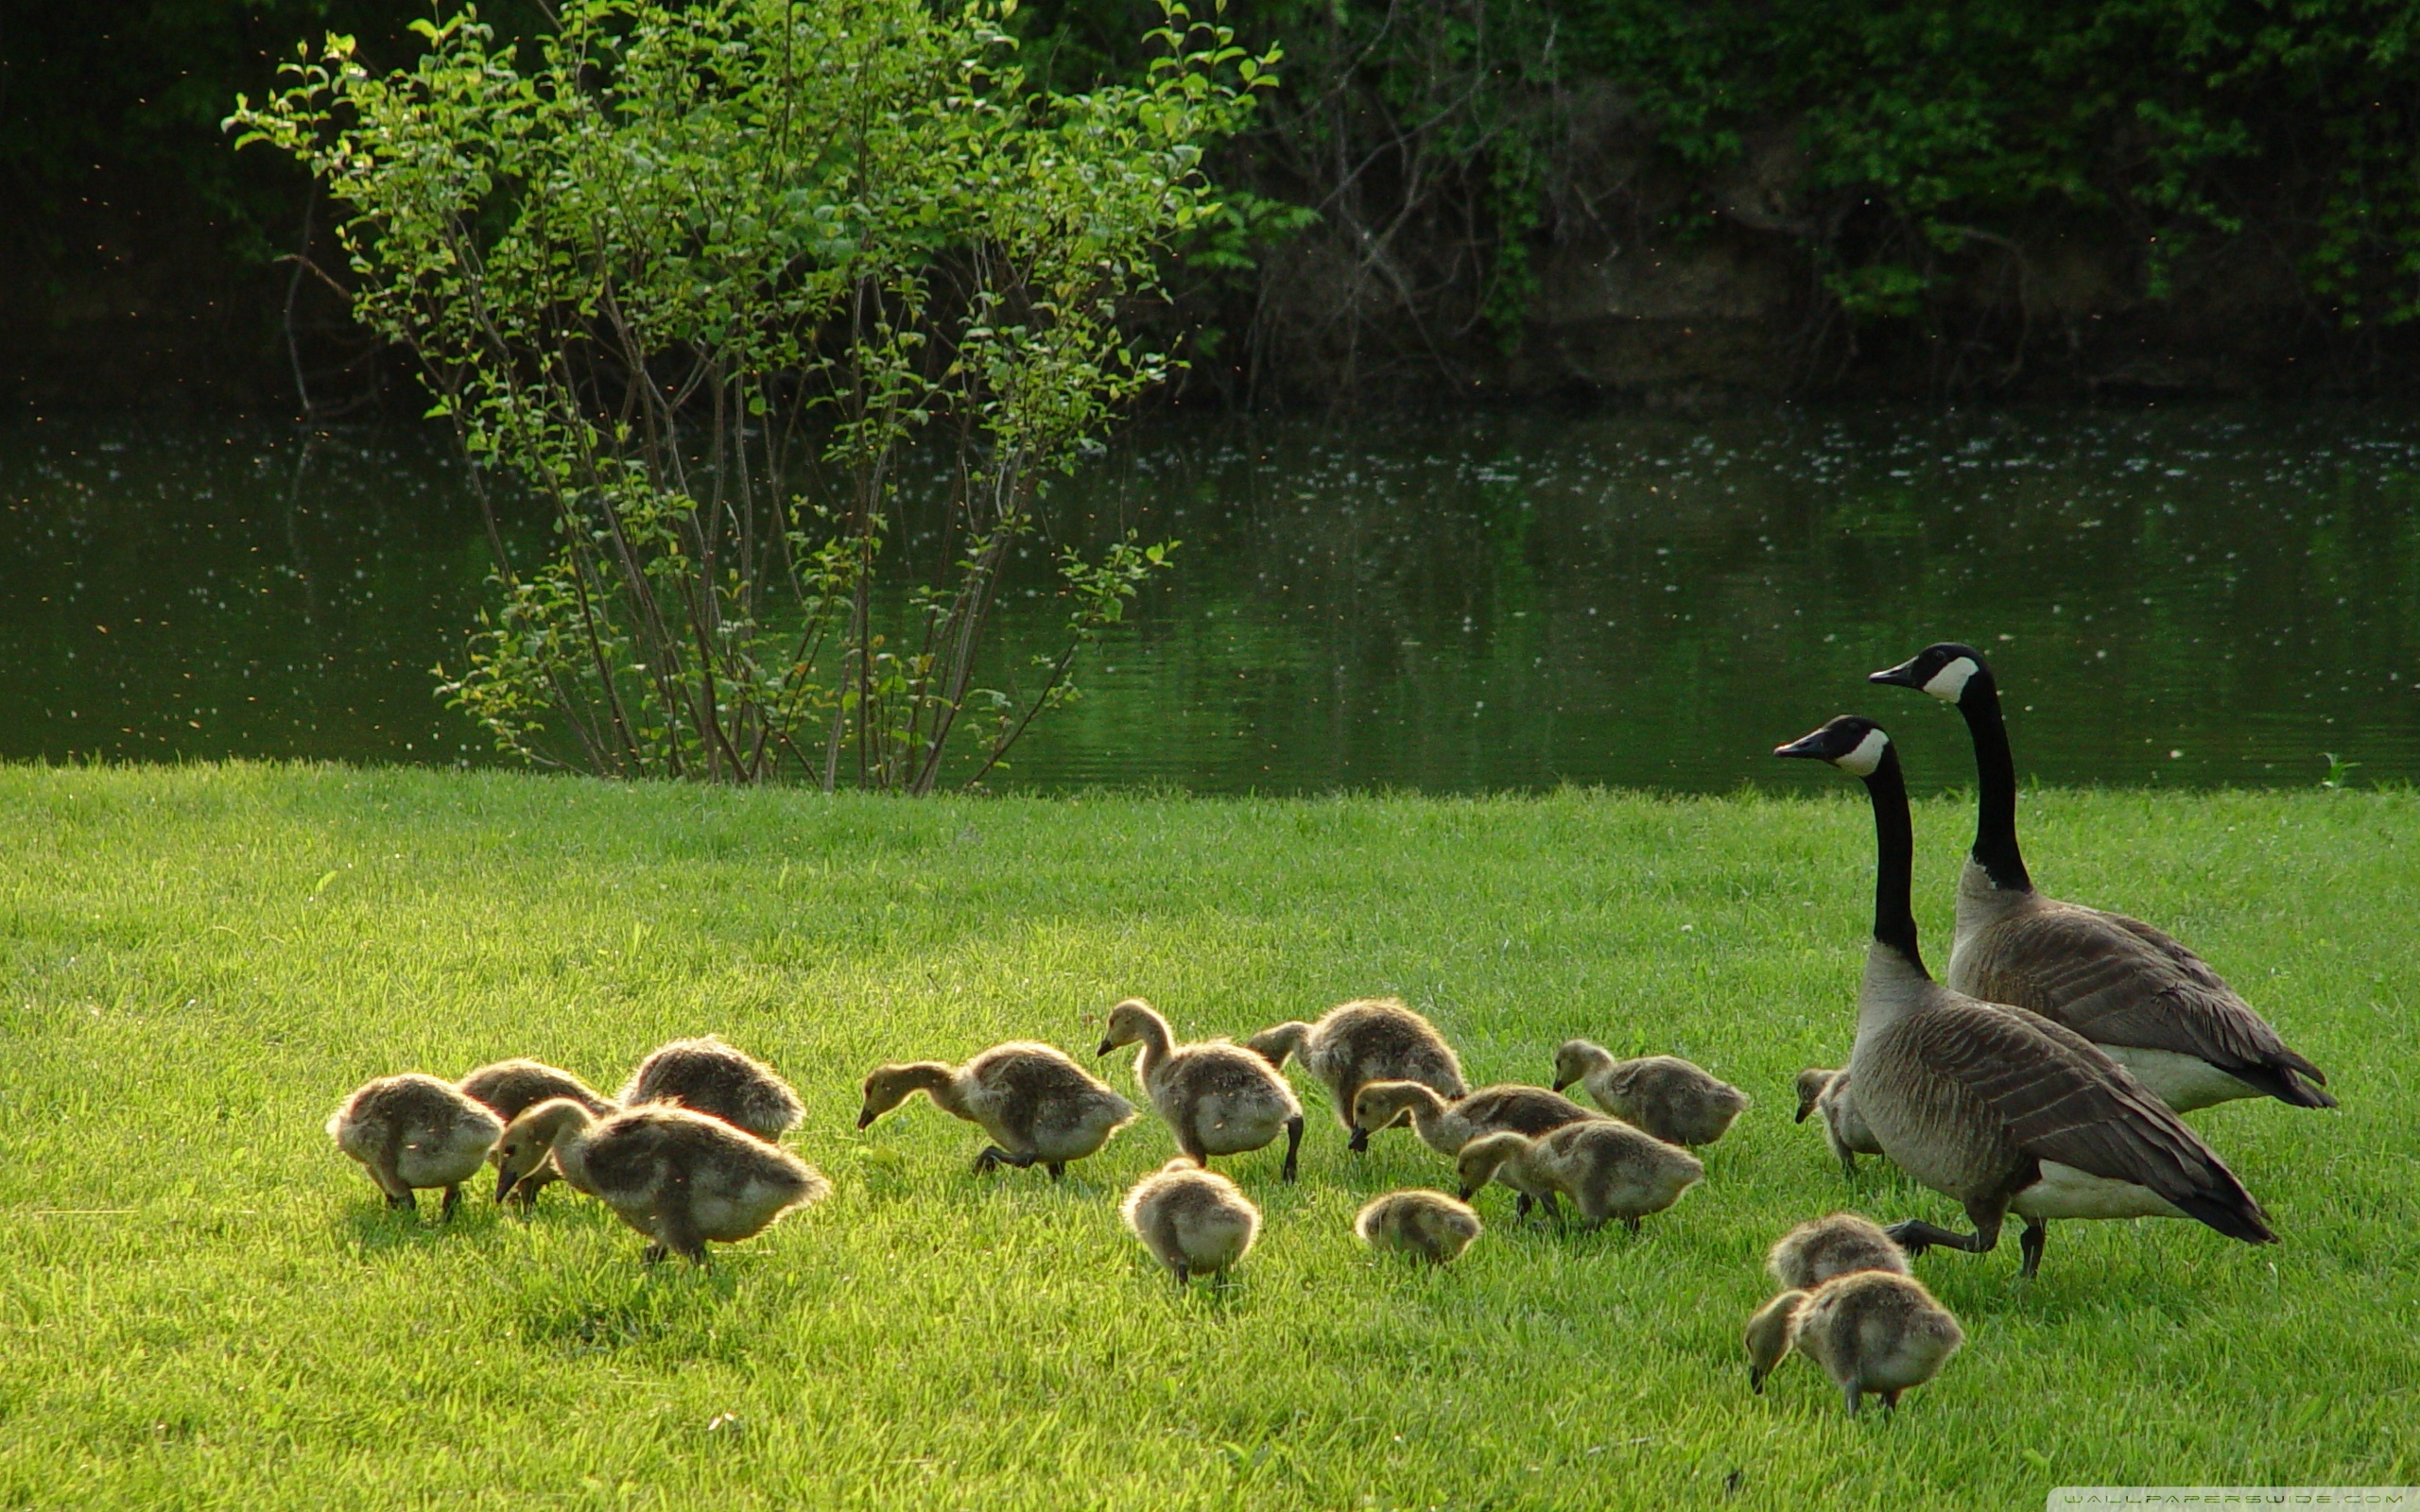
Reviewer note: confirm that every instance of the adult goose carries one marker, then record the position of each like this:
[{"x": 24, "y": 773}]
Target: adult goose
[
  {"x": 1997, "y": 1107},
  {"x": 2153, "y": 1004}
]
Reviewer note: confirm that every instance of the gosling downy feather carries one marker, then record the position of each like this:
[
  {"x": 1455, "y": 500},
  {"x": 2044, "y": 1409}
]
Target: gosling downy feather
[
  {"x": 708, "y": 1076},
  {"x": 1428, "y": 1225},
  {"x": 680, "y": 1177},
  {"x": 511, "y": 1088},
  {"x": 1834, "y": 1245},
  {"x": 1607, "y": 1168},
  {"x": 1869, "y": 1331},
  {"x": 1363, "y": 1041},
  {"x": 414, "y": 1131},
  {"x": 1827, "y": 1093},
  {"x": 1218, "y": 1098},
  {"x": 1194, "y": 1221},
  {"x": 2153, "y": 1005},
  {"x": 1035, "y": 1103},
  {"x": 1677, "y": 1102},
  {"x": 1446, "y": 1126},
  {"x": 1994, "y": 1106}
]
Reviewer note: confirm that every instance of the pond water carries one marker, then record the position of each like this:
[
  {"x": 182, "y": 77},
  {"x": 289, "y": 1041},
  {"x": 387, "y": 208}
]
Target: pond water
[{"x": 2202, "y": 596}]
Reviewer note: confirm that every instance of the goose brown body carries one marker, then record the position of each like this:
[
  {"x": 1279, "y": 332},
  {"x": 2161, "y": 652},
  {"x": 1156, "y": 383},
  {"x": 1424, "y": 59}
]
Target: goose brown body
[
  {"x": 1871, "y": 1330},
  {"x": 511, "y": 1088},
  {"x": 708, "y": 1076},
  {"x": 1995, "y": 1106},
  {"x": 1607, "y": 1168},
  {"x": 1826, "y": 1092},
  {"x": 1367, "y": 1040},
  {"x": 2150, "y": 1002},
  {"x": 1677, "y": 1102},
  {"x": 1428, "y": 1225},
  {"x": 680, "y": 1177},
  {"x": 1035, "y": 1103},
  {"x": 1218, "y": 1098},
  {"x": 414, "y": 1131},
  {"x": 1834, "y": 1245},
  {"x": 1193, "y": 1221}
]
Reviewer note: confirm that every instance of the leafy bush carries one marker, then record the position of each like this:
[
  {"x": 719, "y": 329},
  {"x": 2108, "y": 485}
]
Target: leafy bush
[{"x": 712, "y": 280}]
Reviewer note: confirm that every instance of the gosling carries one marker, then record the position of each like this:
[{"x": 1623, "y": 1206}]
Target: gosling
[
  {"x": 680, "y": 1177},
  {"x": 1363, "y": 1041},
  {"x": 1821, "y": 1248},
  {"x": 511, "y": 1088},
  {"x": 1607, "y": 1168},
  {"x": 1677, "y": 1102},
  {"x": 1871, "y": 1330},
  {"x": 1827, "y": 1093},
  {"x": 1218, "y": 1098},
  {"x": 1193, "y": 1221},
  {"x": 1445, "y": 1127},
  {"x": 1035, "y": 1103},
  {"x": 1427, "y": 1225},
  {"x": 709, "y": 1077},
  {"x": 414, "y": 1131}
]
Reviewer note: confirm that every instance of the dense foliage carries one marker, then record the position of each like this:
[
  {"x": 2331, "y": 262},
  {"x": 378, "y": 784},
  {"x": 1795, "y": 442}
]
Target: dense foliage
[{"x": 710, "y": 280}]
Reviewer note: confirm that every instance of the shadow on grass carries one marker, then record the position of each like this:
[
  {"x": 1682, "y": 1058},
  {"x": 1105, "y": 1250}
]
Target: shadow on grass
[{"x": 378, "y": 1231}]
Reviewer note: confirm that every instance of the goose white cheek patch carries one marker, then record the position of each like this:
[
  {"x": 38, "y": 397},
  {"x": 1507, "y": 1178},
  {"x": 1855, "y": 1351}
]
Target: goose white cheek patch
[
  {"x": 1949, "y": 683},
  {"x": 1868, "y": 755}
]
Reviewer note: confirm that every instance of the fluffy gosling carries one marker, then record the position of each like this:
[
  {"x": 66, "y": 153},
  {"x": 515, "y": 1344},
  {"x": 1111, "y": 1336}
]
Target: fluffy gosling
[
  {"x": 414, "y": 1131},
  {"x": 1871, "y": 1330},
  {"x": 1824, "y": 1091},
  {"x": 1035, "y": 1103},
  {"x": 1430, "y": 1226},
  {"x": 1446, "y": 1126},
  {"x": 1367, "y": 1040},
  {"x": 1675, "y": 1101},
  {"x": 1607, "y": 1168},
  {"x": 1218, "y": 1098},
  {"x": 511, "y": 1088},
  {"x": 680, "y": 1177},
  {"x": 1193, "y": 1221},
  {"x": 708, "y": 1076},
  {"x": 1835, "y": 1245}
]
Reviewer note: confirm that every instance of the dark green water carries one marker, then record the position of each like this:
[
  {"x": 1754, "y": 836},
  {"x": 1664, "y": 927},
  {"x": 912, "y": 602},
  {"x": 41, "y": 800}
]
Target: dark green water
[{"x": 2197, "y": 596}]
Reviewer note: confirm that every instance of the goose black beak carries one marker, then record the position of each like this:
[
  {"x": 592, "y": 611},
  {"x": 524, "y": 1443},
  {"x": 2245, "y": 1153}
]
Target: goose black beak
[
  {"x": 1360, "y": 1139},
  {"x": 864, "y": 1120},
  {"x": 1804, "y": 1108},
  {"x": 1807, "y": 746},
  {"x": 1105, "y": 1048},
  {"x": 504, "y": 1182},
  {"x": 1562, "y": 1082},
  {"x": 1902, "y": 676},
  {"x": 1756, "y": 1381},
  {"x": 1469, "y": 1192}
]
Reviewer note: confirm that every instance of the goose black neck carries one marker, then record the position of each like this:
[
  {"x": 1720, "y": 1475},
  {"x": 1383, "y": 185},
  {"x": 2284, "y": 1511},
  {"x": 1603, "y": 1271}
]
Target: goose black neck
[
  {"x": 1894, "y": 855},
  {"x": 1996, "y": 848}
]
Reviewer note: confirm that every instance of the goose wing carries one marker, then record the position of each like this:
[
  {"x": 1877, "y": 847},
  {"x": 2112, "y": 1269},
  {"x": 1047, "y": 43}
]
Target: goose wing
[
  {"x": 2061, "y": 1099},
  {"x": 2119, "y": 981}
]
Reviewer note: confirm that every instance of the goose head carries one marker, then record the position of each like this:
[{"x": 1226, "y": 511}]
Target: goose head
[
  {"x": 1131, "y": 1021},
  {"x": 1852, "y": 743},
  {"x": 1810, "y": 1084},
  {"x": 1944, "y": 669}
]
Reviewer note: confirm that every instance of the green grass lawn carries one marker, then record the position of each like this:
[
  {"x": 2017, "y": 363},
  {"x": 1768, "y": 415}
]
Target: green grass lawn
[{"x": 202, "y": 1303}]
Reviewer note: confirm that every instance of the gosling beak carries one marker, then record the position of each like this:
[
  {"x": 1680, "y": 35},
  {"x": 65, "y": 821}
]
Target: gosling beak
[
  {"x": 1757, "y": 1377},
  {"x": 1902, "y": 676},
  {"x": 1105, "y": 1048},
  {"x": 1561, "y": 1082},
  {"x": 1360, "y": 1139},
  {"x": 864, "y": 1120},
  {"x": 1469, "y": 1192},
  {"x": 1807, "y": 746},
  {"x": 504, "y": 1183},
  {"x": 1804, "y": 1108}
]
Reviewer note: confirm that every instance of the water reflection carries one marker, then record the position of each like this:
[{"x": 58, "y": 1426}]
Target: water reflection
[{"x": 2202, "y": 596}]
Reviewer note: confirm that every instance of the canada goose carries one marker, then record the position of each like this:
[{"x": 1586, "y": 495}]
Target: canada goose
[
  {"x": 1873, "y": 1331},
  {"x": 709, "y": 1077},
  {"x": 414, "y": 1131},
  {"x": 1191, "y": 1219},
  {"x": 1834, "y": 1245},
  {"x": 1218, "y": 1098},
  {"x": 1356, "y": 1043},
  {"x": 1445, "y": 1127},
  {"x": 1827, "y": 1093},
  {"x": 1429, "y": 1225},
  {"x": 1995, "y": 1106},
  {"x": 510, "y": 1088},
  {"x": 679, "y": 1177},
  {"x": 2154, "y": 1006},
  {"x": 1677, "y": 1102},
  {"x": 1035, "y": 1103},
  {"x": 1607, "y": 1168}
]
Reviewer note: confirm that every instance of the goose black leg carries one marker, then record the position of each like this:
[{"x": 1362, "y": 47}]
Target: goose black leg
[
  {"x": 1852, "y": 1395},
  {"x": 1915, "y": 1236},
  {"x": 403, "y": 1201},
  {"x": 1520, "y": 1205},
  {"x": 2029, "y": 1245},
  {"x": 1058, "y": 1170},
  {"x": 993, "y": 1157},
  {"x": 1293, "y": 1145},
  {"x": 453, "y": 1200},
  {"x": 1630, "y": 1223}
]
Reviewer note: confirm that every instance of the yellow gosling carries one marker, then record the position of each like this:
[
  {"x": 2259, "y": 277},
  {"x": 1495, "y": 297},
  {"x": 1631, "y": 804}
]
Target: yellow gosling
[
  {"x": 1675, "y": 1101},
  {"x": 1035, "y": 1103},
  {"x": 1430, "y": 1226},
  {"x": 1218, "y": 1098},
  {"x": 414, "y": 1131},
  {"x": 1834, "y": 1245},
  {"x": 1869, "y": 1331},
  {"x": 508, "y": 1089},
  {"x": 1193, "y": 1221},
  {"x": 709, "y": 1077},
  {"x": 1607, "y": 1168}
]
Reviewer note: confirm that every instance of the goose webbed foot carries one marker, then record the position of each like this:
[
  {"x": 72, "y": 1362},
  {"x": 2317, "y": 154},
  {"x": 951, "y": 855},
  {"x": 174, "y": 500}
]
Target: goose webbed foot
[
  {"x": 403, "y": 1201},
  {"x": 1915, "y": 1236},
  {"x": 993, "y": 1158},
  {"x": 1058, "y": 1170}
]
